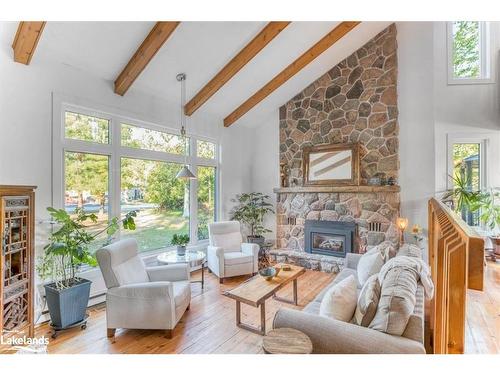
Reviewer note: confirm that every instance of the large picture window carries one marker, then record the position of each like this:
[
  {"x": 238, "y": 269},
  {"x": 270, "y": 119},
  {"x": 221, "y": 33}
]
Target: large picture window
[{"x": 110, "y": 165}]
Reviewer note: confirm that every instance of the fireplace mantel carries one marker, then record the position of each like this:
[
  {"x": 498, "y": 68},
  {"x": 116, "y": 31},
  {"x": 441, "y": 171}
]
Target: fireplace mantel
[{"x": 338, "y": 189}]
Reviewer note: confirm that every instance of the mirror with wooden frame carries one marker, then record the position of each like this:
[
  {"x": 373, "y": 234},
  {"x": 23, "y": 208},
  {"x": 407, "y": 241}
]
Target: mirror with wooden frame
[{"x": 336, "y": 164}]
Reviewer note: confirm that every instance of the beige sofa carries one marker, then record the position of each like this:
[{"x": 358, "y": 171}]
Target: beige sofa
[{"x": 334, "y": 336}]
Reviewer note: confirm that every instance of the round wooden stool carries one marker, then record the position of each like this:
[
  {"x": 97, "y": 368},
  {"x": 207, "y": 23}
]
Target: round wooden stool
[{"x": 286, "y": 341}]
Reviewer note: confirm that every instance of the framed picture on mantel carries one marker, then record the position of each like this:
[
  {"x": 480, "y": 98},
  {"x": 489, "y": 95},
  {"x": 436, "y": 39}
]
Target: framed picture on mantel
[{"x": 336, "y": 164}]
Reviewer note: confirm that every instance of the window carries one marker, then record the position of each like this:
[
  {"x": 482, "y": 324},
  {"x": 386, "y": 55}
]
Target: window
[
  {"x": 147, "y": 139},
  {"x": 110, "y": 165},
  {"x": 469, "y": 59},
  {"x": 205, "y": 149},
  {"x": 161, "y": 201},
  {"x": 207, "y": 178},
  {"x": 86, "y": 128},
  {"x": 86, "y": 186},
  {"x": 467, "y": 169}
]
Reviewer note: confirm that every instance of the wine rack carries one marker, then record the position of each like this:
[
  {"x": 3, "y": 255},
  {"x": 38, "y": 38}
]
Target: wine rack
[{"x": 17, "y": 259}]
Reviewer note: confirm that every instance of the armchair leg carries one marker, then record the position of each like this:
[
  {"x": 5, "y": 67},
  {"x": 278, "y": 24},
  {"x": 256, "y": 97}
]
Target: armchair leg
[
  {"x": 169, "y": 333},
  {"x": 221, "y": 280},
  {"x": 111, "y": 332}
]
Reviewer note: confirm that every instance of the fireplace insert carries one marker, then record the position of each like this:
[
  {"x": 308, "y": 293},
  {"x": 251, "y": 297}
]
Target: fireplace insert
[{"x": 335, "y": 238}]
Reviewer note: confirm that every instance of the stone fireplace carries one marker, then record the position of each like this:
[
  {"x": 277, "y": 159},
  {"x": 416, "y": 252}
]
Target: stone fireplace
[{"x": 354, "y": 102}]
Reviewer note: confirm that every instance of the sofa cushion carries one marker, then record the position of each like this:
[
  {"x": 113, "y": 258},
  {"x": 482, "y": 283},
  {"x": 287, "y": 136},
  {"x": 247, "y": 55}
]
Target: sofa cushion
[
  {"x": 233, "y": 258},
  {"x": 369, "y": 264},
  {"x": 345, "y": 273},
  {"x": 399, "y": 281},
  {"x": 367, "y": 302},
  {"x": 340, "y": 300}
]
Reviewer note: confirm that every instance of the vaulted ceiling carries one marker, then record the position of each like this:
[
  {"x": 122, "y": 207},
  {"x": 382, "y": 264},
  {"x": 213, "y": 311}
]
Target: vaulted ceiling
[{"x": 201, "y": 50}]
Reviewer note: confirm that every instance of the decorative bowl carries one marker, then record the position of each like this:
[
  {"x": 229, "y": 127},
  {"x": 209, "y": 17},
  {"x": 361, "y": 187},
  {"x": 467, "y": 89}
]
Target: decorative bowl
[{"x": 268, "y": 273}]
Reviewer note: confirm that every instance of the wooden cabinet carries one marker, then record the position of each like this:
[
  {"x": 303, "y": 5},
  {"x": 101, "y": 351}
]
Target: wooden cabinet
[{"x": 17, "y": 259}]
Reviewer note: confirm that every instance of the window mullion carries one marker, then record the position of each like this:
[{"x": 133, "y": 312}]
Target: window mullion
[{"x": 115, "y": 172}]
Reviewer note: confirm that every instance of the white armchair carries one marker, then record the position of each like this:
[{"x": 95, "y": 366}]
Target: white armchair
[
  {"x": 227, "y": 254},
  {"x": 140, "y": 297}
]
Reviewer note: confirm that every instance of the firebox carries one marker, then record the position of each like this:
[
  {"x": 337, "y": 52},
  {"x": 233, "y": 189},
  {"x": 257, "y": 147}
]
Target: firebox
[{"x": 335, "y": 238}]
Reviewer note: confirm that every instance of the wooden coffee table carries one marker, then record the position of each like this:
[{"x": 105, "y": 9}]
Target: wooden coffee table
[{"x": 257, "y": 290}]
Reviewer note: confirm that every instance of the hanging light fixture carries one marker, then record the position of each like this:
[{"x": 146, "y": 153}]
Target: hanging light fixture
[{"x": 185, "y": 173}]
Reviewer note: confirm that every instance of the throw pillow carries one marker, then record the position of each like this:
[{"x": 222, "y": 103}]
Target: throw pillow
[
  {"x": 367, "y": 302},
  {"x": 339, "y": 302},
  {"x": 369, "y": 264},
  {"x": 398, "y": 280}
]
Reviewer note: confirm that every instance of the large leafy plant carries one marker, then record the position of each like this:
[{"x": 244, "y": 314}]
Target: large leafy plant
[
  {"x": 462, "y": 196},
  {"x": 250, "y": 209},
  {"x": 68, "y": 247},
  {"x": 490, "y": 212}
]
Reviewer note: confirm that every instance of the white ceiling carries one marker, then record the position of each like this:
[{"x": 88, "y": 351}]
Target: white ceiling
[{"x": 200, "y": 49}]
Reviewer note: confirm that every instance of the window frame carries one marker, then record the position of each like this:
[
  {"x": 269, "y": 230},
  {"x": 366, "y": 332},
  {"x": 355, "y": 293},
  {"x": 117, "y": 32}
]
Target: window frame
[
  {"x": 486, "y": 46},
  {"x": 115, "y": 151}
]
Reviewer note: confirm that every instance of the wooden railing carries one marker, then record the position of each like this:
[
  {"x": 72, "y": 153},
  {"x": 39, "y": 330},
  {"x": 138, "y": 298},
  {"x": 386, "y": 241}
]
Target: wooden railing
[{"x": 456, "y": 257}]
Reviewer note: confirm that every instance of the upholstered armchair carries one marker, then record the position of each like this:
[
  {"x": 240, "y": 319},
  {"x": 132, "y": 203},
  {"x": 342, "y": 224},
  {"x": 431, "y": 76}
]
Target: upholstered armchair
[
  {"x": 140, "y": 297},
  {"x": 227, "y": 254}
]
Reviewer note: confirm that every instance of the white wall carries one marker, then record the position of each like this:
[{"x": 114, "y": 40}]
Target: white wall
[
  {"x": 416, "y": 118},
  {"x": 26, "y": 120},
  {"x": 264, "y": 164},
  {"x": 465, "y": 110}
]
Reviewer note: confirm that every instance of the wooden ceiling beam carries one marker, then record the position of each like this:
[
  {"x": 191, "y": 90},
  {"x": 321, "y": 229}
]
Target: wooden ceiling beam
[
  {"x": 26, "y": 39},
  {"x": 312, "y": 53},
  {"x": 262, "y": 39},
  {"x": 146, "y": 51}
]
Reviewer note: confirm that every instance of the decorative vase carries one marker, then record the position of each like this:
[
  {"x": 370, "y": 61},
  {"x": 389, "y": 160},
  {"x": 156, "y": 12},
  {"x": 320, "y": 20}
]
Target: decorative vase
[{"x": 181, "y": 250}]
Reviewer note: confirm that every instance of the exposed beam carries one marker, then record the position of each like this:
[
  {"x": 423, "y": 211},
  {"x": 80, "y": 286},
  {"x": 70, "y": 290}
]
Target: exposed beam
[
  {"x": 321, "y": 46},
  {"x": 149, "y": 47},
  {"x": 26, "y": 39},
  {"x": 262, "y": 39}
]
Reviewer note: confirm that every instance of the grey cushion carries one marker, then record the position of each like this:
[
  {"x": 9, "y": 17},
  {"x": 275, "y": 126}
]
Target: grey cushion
[{"x": 367, "y": 302}]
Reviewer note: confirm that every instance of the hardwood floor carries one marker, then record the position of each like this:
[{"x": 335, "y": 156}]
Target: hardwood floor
[
  {"x": 482, "y": 331},
  {"x": 208, "y": 327}
]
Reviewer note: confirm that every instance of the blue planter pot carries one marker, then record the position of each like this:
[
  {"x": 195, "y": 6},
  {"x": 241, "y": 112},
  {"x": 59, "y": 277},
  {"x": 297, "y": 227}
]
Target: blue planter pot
[{"x": 67, "y": 306}]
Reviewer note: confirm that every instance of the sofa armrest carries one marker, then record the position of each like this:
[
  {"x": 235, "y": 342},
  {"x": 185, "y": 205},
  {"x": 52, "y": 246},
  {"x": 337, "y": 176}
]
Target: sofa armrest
[
  {"x": 169, "y": 272},
  {"x": 330, "y": 336},
  {"x": 352, "y": 260},
  {"x": 144, "y": 291},
  {"x": 252, "y": 249}
]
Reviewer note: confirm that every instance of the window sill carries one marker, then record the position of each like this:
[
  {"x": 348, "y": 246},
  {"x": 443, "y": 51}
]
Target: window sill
[{"x": 467, "y": 81}]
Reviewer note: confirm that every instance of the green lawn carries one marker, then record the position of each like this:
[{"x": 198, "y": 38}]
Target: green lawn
[{"x": 155, "y": 229}]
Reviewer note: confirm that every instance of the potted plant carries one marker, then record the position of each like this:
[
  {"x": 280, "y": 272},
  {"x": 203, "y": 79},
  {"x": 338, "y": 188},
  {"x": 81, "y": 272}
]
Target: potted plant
[
  {"x": 181, "y": 240},
  {"x": 67, "y": 294},
  {"x": 462, "y": 198},
  {"x": 490, "y": 216},
  {"x": 250, "y": 209}
]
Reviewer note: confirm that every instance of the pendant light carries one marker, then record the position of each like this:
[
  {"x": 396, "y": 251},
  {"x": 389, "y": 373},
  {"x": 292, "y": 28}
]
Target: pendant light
[{"x": 185, "y": 173}]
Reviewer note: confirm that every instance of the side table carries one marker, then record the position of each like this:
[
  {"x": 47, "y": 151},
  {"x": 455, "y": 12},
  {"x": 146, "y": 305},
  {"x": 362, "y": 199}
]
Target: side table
[
  {"x": 194, "y": 258},
  {"x": 287, "y": 341}
]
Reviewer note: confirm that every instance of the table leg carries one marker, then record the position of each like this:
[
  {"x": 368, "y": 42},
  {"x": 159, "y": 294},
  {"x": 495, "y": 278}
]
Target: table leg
[
  {"x": 202, "y": 276},
  {"x": 295, "y": 294},
  {"x": 258, "y": 330}
]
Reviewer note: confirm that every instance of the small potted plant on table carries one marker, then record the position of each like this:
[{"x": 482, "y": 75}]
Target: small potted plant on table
[
  {"x": 181, "y": 240},
  {"x": 67, "y": 294},
  {"x": 250, "y": 209}
]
